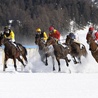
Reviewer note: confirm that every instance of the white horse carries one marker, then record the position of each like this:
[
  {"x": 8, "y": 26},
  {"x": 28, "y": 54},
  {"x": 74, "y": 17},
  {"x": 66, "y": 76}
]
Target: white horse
[{"x": 45, "y": 52}]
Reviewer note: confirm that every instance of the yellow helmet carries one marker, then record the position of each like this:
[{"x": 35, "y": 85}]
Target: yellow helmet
[{"x": 38, "y": 30}]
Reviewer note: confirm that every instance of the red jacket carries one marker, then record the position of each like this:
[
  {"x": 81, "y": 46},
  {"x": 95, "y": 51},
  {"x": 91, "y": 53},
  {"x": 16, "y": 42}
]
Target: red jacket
[
  {"x": 55, "y": 34},
  {"x": 96, "y": 36}
]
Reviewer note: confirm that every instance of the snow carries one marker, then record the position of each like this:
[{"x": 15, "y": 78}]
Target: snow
[
  {"x": 42, "y": 82},
  {"x": 50, "y": 85}
]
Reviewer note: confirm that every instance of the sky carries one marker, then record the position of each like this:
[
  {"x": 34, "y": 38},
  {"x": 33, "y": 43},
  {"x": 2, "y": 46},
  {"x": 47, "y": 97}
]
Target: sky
[{"x": 39, "y": 81}]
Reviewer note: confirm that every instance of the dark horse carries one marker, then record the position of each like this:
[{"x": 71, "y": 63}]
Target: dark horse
[
  {"x": 93, "y": 46},
  {"x": 13, "y": 52},
  {"x": 59, "y": 51},
  {"x": 45, "y": 51},
  {"x": 76, "y": 51}
]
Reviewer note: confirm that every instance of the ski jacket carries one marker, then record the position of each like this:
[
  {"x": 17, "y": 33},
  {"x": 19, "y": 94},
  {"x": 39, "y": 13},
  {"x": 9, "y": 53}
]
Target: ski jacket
[
  {"x": 10, "y": 35},
  {"x": 55, "y": 34},
  {"x": 43, "y": 35},
  {"x": 96, "y": 36}
]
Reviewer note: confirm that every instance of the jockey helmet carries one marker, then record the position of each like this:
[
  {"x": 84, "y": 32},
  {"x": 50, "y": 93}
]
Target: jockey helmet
[
  {"x": 91, "y": 28},
  {"x": 51, "y": 28},
  {"x": 71, "y": 35},
  {"x": 38, "y": 30}
]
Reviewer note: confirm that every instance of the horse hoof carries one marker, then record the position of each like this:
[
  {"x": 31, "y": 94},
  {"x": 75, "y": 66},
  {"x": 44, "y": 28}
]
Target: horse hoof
[
  {"x": 59, "y": 70},
  {"x": 15, "y": 69},
  {"x": 46, "y": 64},
  {"x": 75, "y": 62},
  {"x": 67, "y": 65},
  {"x": 53, "y": 69},
  {"x": 69, "y": 60}
]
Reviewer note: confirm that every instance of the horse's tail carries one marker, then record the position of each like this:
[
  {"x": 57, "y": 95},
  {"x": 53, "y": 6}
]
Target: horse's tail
[
  {"x": 24, "y": 54},
  {"x": 25, "y": 50}
]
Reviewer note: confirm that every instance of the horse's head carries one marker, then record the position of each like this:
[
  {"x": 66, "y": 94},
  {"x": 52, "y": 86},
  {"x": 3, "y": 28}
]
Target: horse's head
[
  {"x": 50, "y": 41},
  {"x": 37, "y": 40},
  {"x": 89, "y": 38},
  {"x": 68, "y": 40},
  {"x": 40, "y": 42}
]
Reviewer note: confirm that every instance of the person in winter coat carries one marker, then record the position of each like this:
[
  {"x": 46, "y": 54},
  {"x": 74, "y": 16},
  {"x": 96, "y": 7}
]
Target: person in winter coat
[{"x": 54, "y": 33}]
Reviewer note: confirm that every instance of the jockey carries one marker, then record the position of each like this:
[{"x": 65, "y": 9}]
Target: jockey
[
  {"x": 54, "y": 33},
  {"x": 8, "y": 33},
  {"x": 74, "y": 37},
  {"x": 91, "y": 31},
  {"x": 42, "y": 34}
]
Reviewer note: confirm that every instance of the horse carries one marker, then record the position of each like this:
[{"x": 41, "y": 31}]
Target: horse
[
  {"x": 76, "y": 51},
  {"x": 13, "y": 52},
  {"x": 93, "y": 46},
  {"x": 45, "y": 51},
  {"x": 60, "y": 52}
]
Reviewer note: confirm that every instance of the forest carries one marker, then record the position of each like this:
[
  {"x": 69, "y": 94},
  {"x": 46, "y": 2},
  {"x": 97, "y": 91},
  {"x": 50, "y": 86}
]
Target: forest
[{"x": 27, "y": 15}]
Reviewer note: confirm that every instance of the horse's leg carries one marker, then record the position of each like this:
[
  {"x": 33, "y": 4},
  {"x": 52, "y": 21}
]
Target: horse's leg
[
  {"x": 53, "y": 63},
  {"x": 5, "y": 60},
  {"x": 74, "y": 59},
  {"x": 79, "y": 58},
  {"x": 46, "y": 63},
  {"x": 14, "y": 59},
  {"x": 21, "y": 61},
  {"x": 25, "y": 58},
  {"x": 23, "y": 51},
  {"x": 66, "y": 60},
  {"x": 58, "y": 64},
  {"x": 43, "y": 58}
]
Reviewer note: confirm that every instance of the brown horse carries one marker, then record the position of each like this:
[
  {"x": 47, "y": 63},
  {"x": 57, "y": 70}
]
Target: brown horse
[
  {"x": 13, "y": 52},
  {"x": 59, "y": 51},
  {"x": 76, "y": 51},
  {"x": 45, "y": 51},
  {"x": 93, "y": 46}
]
